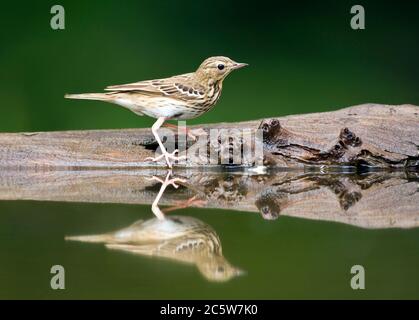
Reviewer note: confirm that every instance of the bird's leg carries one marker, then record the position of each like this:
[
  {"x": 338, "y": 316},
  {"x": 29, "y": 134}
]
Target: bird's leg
[
  {"x": 164, "y": 154},
  {"x": 155, "y": 206},
  {"x": 191, "y": 133},
  {"x": 185, "y": 204},
  {"x": 194, "y": 133}
]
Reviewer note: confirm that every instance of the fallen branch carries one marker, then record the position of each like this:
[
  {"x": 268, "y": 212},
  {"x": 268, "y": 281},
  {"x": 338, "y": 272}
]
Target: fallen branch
[{"x": 370, "y": 135}]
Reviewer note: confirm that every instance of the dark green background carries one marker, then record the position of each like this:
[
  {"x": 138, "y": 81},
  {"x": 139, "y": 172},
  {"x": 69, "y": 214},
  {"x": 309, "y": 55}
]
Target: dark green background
[{"x": 303, "y": 57}]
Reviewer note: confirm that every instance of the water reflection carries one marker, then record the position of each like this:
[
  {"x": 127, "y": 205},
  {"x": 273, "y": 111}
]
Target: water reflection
[
  {"x": 178, "y": 238},
  {"x": 168, "y": 181},
  {"x": 376, "y": 200}
]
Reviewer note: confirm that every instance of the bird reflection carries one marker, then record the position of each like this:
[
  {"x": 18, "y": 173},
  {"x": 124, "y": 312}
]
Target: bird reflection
[
  {"x": 169, "y": 181},
  {"x": 179, "y": 238}
]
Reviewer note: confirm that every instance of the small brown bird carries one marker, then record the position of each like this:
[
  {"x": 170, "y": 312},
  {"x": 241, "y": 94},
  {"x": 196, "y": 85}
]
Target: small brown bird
[
  {"x": 177, "y": 238},
  {"x": 181, "y": 97}
]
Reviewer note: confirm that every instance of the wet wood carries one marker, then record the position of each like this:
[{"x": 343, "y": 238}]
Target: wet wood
[
  {"x": 370, "y": 135},
  {"x": 374, "y": 200}
]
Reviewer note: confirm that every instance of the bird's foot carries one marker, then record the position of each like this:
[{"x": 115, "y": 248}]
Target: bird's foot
[
  {"x": 164, "y": 184},
  {"x": 168, "y": 156},
  {"x": 168, "y": 182}
]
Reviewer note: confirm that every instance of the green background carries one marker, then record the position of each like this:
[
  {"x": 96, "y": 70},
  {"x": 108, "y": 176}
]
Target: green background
[{"x": 303, "y": 57}]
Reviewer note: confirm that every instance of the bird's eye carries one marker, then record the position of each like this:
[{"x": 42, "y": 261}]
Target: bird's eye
[
  {"x": 266, "y": 210},
  {"x": 220, "y": 66}
]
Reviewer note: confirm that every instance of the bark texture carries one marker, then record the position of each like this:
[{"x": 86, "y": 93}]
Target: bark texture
[{"x": 367, "y": 135}]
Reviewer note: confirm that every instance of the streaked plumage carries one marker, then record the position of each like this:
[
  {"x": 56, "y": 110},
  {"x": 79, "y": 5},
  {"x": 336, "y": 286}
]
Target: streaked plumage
[
  {"x": 181, "y": 97},
  {"x": 179, "y": 238}
]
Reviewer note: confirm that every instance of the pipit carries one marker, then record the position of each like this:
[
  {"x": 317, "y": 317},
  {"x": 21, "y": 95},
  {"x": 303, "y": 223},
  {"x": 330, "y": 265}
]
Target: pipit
[
  {"x": 178, "y": 238},
  {"x": 181, "y": 97}
]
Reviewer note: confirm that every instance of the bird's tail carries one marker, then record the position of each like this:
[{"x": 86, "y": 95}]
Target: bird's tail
[
  {"x": 92, "y": 238},
  {"x": 90, "y": 96}
]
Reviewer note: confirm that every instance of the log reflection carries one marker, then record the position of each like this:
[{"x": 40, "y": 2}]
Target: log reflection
[{"x": 371, "y": 200}]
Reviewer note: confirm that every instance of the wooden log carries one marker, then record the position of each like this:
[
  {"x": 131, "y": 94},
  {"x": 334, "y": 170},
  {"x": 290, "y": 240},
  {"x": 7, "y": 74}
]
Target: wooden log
[
  {"x": 371, "y": 135},
  {"x": 374, "y": 200}
]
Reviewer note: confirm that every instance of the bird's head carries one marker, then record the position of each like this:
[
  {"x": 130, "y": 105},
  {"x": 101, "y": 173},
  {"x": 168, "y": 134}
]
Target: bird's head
[
  {"x": 269, "y": 204},
  {"x": 218, "y": 269},
  {"x": 217, "y": 68}
]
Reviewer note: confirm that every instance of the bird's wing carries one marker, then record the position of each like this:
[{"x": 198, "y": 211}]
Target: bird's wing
[
  {"x": 183, "y": 248},
  {"x": 178, "y": 87},
  {"x": 148, "y": 250}
]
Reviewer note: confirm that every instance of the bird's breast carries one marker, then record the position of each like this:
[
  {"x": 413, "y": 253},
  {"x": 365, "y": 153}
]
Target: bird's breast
[{"x": 214, "y": 93}]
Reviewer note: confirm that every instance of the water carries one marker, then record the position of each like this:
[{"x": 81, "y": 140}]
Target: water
[
  {"x": 303, "y": 57},
  {"x": 244, "y": 235}
]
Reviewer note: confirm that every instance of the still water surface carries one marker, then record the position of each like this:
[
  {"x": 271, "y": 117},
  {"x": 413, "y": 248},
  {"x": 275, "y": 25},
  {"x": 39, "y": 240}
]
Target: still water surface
[{"x": 273, "y": 236}]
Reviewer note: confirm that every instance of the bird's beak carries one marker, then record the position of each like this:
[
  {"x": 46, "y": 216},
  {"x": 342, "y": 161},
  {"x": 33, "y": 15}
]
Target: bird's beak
[
  {"x": 240, "y": 272},
  {"x": 239, "y": 65}
]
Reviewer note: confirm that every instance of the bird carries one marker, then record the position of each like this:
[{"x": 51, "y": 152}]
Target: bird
[
  {"x": 180, "y": 97},
  {"x": 178, "y": 238}
]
